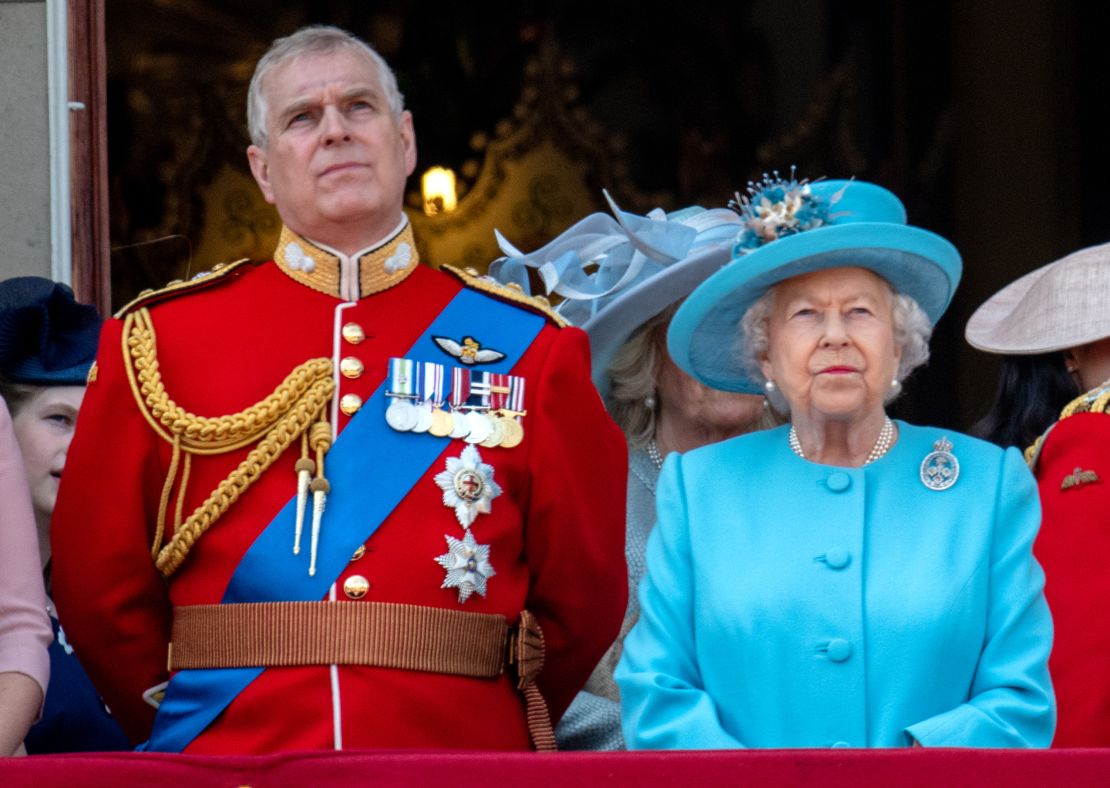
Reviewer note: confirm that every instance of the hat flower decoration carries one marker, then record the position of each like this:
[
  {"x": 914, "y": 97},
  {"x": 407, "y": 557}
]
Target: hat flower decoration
[
  {"x": 775, "y": 207},
  {"x": 614, "y": 272}
]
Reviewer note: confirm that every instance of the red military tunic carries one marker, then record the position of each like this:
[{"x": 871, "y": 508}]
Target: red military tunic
[
  {"x": 555, "y": 533},
  {"x": 1073, "y": 547}
]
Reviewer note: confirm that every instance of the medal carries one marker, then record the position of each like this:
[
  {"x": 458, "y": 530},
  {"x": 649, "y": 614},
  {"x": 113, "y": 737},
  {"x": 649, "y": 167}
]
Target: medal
[
  {"x": 460, "y": 393},
  {"x": 940, "y": 468},
  {"x": 421, "y": 407},
  {"x": 441, "y": 421},
  {"x": 511, "y": 416},
  {"x": 514, "y": 433},
  {"x": 478, "y": 427},
  {"x": 496, "y": 433},
  {"x": 424, "y": 418},
  {"x": 468, "y": 486},
  {"x": 479, "y": 423},
  {"x": 401, "y": 413},
  {"x": 498, "y": 395}
]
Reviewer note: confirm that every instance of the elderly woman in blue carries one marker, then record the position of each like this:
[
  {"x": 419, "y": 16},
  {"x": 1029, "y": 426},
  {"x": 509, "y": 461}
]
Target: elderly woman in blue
[{"x": 848, "y": 580}]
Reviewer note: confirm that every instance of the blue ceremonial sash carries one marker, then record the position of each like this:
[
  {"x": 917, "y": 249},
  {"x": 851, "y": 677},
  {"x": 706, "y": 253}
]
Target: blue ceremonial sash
[{"x": 366, "y": 449}]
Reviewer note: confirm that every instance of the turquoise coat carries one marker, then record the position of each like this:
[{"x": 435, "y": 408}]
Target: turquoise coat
[{"x": 791, "y": 604}]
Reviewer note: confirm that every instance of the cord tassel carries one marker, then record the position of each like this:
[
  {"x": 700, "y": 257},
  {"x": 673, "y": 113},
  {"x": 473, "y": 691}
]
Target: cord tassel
[
  {"x": 305, "y": 467},
  {"x": 320, "y": 490}
]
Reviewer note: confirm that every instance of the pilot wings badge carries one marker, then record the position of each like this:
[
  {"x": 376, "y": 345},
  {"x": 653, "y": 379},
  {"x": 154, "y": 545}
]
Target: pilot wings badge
[{"x": 469, "y": 351}]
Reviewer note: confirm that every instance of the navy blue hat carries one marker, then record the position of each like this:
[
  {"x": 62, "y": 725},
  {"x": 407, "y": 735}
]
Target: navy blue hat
[{"x": 46, "y": 337}]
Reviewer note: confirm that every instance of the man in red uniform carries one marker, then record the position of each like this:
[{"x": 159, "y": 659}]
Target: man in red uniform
[{"x": 335, "y": 480}]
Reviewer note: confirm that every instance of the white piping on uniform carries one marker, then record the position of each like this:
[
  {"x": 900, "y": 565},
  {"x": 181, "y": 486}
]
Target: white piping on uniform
[{"x": 333, "y": 670}]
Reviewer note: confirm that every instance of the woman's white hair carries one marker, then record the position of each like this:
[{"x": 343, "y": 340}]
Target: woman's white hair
[
  {"x": 313, "y": 40},
  {"x": 912, "y": 330}
]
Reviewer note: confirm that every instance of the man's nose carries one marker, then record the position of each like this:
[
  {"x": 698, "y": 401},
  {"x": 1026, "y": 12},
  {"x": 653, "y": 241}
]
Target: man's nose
[{"x": 333, "y": 126}]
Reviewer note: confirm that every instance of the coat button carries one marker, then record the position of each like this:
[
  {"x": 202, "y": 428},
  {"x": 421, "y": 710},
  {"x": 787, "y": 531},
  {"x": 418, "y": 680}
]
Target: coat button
[
  {"x": 837, "y": 558},
  {"x": 351, "y": 367},
  {"x": 839, "y": 481},
  {"x": 359, "y": 553},
  {"x": 353, "y": 333},
  {"x": 356, "y": 586},
  {"x": 350, "y": 403},
  {"x": 839, "y": 649}
]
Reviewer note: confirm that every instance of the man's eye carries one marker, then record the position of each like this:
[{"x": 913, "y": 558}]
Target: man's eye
[
  {"x": 61, "y": 419},
  {"x": 300, "y": 117}
]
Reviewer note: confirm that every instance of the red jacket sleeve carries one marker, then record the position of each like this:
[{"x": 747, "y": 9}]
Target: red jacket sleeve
[
  {"x": 574, "y": 528},
  {"x": 111, "y": 599}
]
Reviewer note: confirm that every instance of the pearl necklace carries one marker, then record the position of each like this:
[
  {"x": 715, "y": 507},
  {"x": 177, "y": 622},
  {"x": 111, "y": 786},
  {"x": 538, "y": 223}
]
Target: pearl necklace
[
  {"x": 881, "y": 447},
  {"x": 654, "y": 455}
]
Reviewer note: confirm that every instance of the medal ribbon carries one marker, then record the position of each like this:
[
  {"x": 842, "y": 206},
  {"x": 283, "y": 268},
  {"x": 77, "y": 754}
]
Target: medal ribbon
[
  {"x": 433, "y": 383},
  {"x": 400, "y": 378},
  {"x": 499, "y": 391},
  {"x": 460, "y": 387},
  {"x": 269, "y": 572},
  {"x": 479, "y": 391},
  {"x": 516, "y": 396}
]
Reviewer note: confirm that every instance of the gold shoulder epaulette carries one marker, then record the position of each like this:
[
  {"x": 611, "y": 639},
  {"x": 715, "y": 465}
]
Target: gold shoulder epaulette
[
  {"x": 510, "y": 292},
  {"x": 1097, "y": 400},
  {"x": 178, "y": 286}
]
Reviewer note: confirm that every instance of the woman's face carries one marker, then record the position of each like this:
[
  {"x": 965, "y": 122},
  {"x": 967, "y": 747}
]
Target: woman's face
[
  {"x": 831, "y": 349},
  {"x": 44, "y": 428},
  {"x": 1090, "y": 364},
  {"x": 688, "y": 402}
]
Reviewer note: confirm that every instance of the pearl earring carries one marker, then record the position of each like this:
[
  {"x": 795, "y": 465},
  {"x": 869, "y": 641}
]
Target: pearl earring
[
  {"x": 769, "y": 386},
  {"x": 895, "y": 387},
  {"x": 649, "y": 402}
]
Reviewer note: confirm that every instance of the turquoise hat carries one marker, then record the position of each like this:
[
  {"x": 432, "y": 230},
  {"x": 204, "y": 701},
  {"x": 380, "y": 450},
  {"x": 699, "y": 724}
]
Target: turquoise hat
[{"x": 795, "y": 227}]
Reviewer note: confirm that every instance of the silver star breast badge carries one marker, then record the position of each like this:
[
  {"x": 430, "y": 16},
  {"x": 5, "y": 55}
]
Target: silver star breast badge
[
  {"x": 467, "y": 564},
  {"x": 468, "y": 485}
]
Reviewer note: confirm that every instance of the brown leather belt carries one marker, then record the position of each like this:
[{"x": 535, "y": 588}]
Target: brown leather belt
[{"x": 375, "y": 634}]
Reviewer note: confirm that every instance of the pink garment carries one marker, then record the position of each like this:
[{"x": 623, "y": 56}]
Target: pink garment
[{"x": 25, "y": 632}]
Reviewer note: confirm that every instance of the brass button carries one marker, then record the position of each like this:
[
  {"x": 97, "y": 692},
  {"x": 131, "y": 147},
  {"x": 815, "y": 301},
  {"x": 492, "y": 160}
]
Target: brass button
[
  {"x": 359, "y": 553},
  {"x": 356, "y": 586},
  {"x": 351, "y": 367},
  {"x": 353, "y": 333},
  {"x": 350, "y": 403}
]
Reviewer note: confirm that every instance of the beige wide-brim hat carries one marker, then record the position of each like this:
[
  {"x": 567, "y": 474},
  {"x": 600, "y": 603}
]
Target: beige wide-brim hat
[{"x": 1062, "y": 305}]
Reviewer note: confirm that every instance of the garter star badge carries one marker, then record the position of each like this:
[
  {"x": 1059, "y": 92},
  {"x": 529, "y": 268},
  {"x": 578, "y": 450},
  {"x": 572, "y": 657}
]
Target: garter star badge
[
  {"x": 940, "y": 468},
  {"x": 467, "y": 564},
  {"x": 468, "y": 485}
]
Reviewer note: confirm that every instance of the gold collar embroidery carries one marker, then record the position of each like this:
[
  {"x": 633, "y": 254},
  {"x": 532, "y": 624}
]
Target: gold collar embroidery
[{"x": 350, "y": 278}]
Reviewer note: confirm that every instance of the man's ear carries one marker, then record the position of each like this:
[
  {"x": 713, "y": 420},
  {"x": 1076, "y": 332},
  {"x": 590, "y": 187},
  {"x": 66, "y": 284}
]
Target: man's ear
[
  {"x": 260, "y": 169},
  {"x": 408, "y": 140}
]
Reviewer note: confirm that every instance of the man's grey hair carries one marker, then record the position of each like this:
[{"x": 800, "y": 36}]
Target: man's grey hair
[
  {"x": 313, "y": 40},
  {"x": 912, "y": 330}
]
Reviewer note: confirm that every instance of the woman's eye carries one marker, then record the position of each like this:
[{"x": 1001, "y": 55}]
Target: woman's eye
[
  {"x": 61, "y": 419},
  {"x": 859, "y": 310},
  {"x": 804, "y": 312}
]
